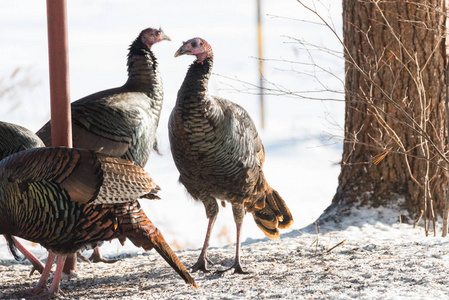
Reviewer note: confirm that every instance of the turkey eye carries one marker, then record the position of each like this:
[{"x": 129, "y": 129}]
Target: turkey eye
[
  {"x": 194, "y": 44},
  {"x": 158, "y": 33}
]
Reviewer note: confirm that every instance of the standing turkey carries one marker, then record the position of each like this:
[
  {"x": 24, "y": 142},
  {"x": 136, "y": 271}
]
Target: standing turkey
[
  {"x": 68, "y": 199},
  {"x": 15, "y": 138},
  {"x": 219, "y": 155},
  {"x": 122, "y": 121}
]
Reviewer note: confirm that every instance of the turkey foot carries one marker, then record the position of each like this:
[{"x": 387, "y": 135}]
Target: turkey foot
[
  {"x": 36, "y": 293},
  {"x": 97, "y": 257},
  {"x": 82, "y": 257},
  {"x": 201, "y": 264},
  {"x": 36, "y": 267},
  {"x": 33, "y": 292},
  {"x": 39, "y": 292},
  {"x": 236, "y": 267}
]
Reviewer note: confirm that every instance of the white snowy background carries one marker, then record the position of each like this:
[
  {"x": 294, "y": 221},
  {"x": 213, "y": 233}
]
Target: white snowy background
[
  {"x": 300, "y": 163},
  {"x": 302, "y": 137}
]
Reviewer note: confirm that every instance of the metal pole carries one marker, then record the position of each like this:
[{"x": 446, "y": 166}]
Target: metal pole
[
  {"x": 61, "y": 121},
  {"x": 259, "y": 39},
  {"x": 61, "y": 132}
]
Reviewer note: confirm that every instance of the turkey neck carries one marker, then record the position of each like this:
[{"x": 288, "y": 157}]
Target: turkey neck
[
  {"x": 143, "y": 75},
  {"x": 196, "y": 81}
]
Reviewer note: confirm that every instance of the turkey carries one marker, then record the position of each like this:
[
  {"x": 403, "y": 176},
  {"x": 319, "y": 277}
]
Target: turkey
[
  {"x": 69, "y": 199},
  {"x": 219, "y": 155},
  {"x": 15, "y": 138},
  {"x": 122, "y": 121}
]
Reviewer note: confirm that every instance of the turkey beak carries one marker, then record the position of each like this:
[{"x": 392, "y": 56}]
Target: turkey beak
[
  {"x": 180, "y": 51},
  {"x": 165, "y": 37}
]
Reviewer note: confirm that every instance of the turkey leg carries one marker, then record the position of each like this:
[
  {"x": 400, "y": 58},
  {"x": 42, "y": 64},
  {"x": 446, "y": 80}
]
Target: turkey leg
[
  {"x": 238, "y": 212},
  {"x": 41, "y": 284},
  {"x": 37, "y": 265},
  {"x": 201, "y": 264}
]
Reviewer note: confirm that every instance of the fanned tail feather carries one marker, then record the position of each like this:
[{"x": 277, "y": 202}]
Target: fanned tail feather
[{"x": 271, "y": 213}]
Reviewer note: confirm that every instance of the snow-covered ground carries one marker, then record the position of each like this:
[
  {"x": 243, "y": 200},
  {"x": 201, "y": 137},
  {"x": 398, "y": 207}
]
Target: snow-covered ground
[
  {"x": 369, "y": 259},
  {"x": 378, "y": 259}
]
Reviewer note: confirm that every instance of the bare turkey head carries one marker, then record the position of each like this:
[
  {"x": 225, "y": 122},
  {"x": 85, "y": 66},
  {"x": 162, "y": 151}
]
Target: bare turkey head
[
  {"x": 152, "y": 36},
  {"x": 196, "y": 46}
]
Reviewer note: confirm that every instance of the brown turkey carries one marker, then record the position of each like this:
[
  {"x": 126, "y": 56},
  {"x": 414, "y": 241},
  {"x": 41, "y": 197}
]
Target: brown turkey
[
  {"x": 219, "y": 154},
  {"x": 15, "y": 138},
  {"x": 70, "y": 199},
  {"x": 122, "y": 121}
]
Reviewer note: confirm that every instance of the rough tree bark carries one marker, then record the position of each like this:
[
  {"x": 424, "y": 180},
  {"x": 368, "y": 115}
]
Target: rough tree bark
[{"x": 395, "y": 91}]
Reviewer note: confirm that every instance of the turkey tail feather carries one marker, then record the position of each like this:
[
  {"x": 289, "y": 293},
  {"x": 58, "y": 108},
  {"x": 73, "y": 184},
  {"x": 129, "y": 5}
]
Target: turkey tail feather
[
  {"x": 273, "y": 215},
  {"x": 12, "y": 247},
  {"x": 156, "y": 240},
  {"x": 170, "y": 257},
  {"x": 142, "y": 233}
]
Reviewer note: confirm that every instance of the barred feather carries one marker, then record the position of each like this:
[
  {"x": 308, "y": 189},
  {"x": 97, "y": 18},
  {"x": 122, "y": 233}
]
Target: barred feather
[
  {"x": 121, "y": 121},
  {"x": 15, "y": 138},
  {"x": 219, "y": 154},
  {"x": 69, "y": 199},
  {"x": 217, "y": 149}
]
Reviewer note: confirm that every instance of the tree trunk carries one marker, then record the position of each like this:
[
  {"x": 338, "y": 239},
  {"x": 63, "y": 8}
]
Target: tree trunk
[{"x": 395, "y": 119}]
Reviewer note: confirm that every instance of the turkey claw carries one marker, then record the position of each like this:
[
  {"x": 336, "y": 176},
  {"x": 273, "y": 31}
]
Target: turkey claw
[
  {"x": 82, "y": 257},
  {"x": 97, "y": 257},
  {"x": 237, "y": 269},
  {"x": 201, "y": 265},
  {"x": 36, "y": 267},
  {"x": 209, "y": 261}
]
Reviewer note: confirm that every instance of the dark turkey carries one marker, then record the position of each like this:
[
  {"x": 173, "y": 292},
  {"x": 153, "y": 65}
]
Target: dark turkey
[
  {"x": 219, "y": 154},
  {"x": 69, "y": 199},
  {"x": 122, "y": 121},
  {"x": 15, "y": 138}
]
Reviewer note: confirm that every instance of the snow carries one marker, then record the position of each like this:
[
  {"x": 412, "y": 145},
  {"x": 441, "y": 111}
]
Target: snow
[
  {"x": 381, "y": 258},
  {"x": 371, "y": 258}
]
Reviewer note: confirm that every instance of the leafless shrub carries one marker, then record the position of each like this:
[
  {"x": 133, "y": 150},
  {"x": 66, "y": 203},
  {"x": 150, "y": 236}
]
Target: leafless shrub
[
  {"x": 11, "y": 87},
  {"x": 386, "y": 138}
]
